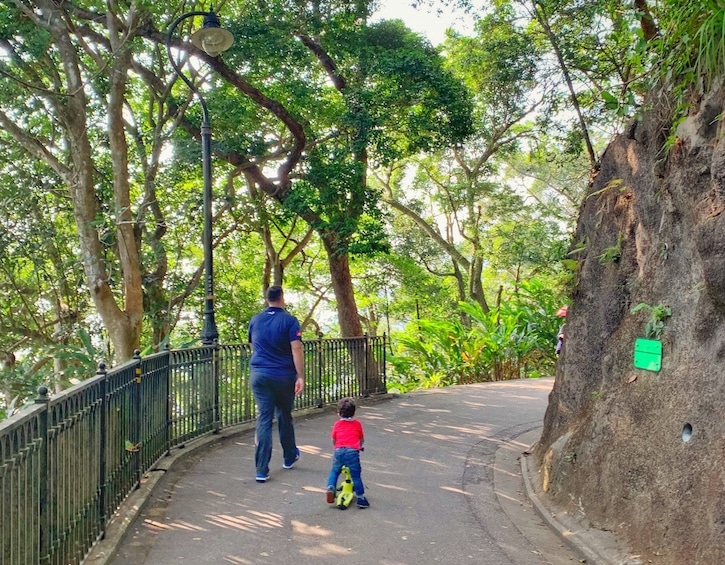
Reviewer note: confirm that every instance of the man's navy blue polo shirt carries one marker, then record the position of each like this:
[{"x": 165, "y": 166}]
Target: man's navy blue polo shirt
[{"x": 270, "y": 333}]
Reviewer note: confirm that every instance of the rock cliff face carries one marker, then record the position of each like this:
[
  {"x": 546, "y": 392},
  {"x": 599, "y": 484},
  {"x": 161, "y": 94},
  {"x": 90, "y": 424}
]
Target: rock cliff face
[{"x": 639, "y": 452}]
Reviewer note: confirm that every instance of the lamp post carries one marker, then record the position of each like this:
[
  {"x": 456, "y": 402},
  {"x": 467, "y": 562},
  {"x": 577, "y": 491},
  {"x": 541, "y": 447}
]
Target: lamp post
[{"x": 214, "y": 40}]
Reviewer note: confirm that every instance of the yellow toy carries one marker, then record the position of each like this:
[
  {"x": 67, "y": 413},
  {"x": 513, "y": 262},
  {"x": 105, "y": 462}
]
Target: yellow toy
[{"x": 345, "y": 490}]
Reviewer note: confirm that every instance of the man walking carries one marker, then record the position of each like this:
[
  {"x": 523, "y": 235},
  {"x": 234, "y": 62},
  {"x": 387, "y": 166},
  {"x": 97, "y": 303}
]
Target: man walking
[{"x": 277, "y": 376}]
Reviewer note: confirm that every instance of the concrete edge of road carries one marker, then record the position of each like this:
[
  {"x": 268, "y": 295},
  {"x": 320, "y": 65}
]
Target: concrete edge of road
[
  {"x": 103, "y": 551},
  {"x": 594, "y": 546}
]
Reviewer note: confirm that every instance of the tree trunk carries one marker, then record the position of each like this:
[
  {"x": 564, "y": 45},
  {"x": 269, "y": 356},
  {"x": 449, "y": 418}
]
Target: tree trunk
[
  {"x": 347, "y": 313},
  {"x": 366, "y": 369},
  {"x": 129, "y": 326},
  {"x": 646, "y": 21},
  {"x": 542, "y": 17},
  {"x": 476, "y": 284}
]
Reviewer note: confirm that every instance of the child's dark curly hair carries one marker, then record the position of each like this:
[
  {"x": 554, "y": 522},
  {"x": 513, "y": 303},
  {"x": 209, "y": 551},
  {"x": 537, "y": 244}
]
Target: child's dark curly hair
[{"x": 346, "y": 408}]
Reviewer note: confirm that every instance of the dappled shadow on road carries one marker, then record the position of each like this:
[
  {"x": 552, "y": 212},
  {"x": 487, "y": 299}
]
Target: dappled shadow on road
[{"x": 427, "y": 454}]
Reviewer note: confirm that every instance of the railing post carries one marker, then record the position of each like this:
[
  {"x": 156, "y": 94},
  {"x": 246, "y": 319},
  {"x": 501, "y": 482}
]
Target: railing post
[
  {"x": 215, "y": 375},
  {"x": 320, "y": 398},
  {"x": 136, "y": 450},
  {"x": 169, "y": 396},
  {"x": 385, "y": 362},
  {"x": 44, "y": 516},
  {"x": 366, "y": 351},
  {"x": 102, "y": 461}
]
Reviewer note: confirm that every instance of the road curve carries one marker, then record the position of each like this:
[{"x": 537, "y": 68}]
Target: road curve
[{"x": 429, "y": 467}]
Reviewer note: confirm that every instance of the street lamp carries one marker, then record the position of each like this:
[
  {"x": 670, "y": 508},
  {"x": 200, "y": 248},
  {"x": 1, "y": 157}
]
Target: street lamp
[{"x": 214, "y": 40}]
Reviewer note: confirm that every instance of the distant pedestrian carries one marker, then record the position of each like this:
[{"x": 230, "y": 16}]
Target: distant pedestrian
[
  {"x": 276, "y": 377},
  {"x": 560, "y": 339},
  {"x": 561, "y": 312},
  {"x": 347, "y": 439}
]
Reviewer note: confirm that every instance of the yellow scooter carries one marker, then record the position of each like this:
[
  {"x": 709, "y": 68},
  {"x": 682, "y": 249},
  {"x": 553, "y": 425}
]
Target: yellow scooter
[{"x": 345, "y": 492}]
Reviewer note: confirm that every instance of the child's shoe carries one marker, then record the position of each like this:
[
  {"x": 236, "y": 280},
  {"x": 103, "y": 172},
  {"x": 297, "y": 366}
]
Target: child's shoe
[
  {"x": 362, "y": 502},
  {"x": 330, "y": 495}
]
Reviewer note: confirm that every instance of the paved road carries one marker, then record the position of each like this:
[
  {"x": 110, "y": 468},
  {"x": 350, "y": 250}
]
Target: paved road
[{"x": 428, "y": 468}]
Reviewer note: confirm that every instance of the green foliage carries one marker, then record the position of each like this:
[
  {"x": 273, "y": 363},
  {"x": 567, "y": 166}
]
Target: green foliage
[
  {"x": 555, "y": 178},
  {"x": 657, "y": 316},
  {"x": 364, "y": 93},
  {"x": 80, "y": 359},
  {"x": 686, "y": 55},
  {"x": 692, "y": 42},
  {"x": 522, "y": 238},
  {"x": 19, "y": 383},
  {"x": 710, "y": 38},
  {"x": 622, "y": 108},
  {"x": 77, "y": 359},
  {"x": 410, "y": 102},
  {"x": 332, "y": 187},
  {"x": 498, "y": 64},
  {"x": 616, "y": 183},
  {"x": 612, "y": 254},
  {"x": 570, "y": 275},
  {"x": 513, "y": 341}
]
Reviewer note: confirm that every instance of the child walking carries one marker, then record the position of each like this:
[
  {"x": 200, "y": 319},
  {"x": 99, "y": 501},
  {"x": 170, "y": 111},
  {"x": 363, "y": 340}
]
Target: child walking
[{"x": 347, "y": 439}]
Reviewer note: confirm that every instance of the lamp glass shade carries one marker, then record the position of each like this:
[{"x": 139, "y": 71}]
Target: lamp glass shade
[{"x": 212, "y": 39}]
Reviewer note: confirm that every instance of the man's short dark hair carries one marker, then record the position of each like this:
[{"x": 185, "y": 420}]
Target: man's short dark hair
[
  {"x": 274, "y": 293},
  {"x": 346, "y": 407}
]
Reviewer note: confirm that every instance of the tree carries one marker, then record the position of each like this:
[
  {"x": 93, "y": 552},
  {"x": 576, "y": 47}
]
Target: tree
[
  {"x": 343, "y": 93},
  {"x": 102, "y": 105},
  {"x": 75, "y": 123},
  {"x": 97, "y": 114},
  {"x": 461, "y": 184}
]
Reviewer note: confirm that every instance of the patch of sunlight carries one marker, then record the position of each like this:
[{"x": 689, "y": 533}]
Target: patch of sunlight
[
  {"x": 314, "y": 489},
  {"x": 391, "y": 487},
  {"x": 154, "y": 525},
  {"x": 325, "y": 550},
  {"x": 479, "y": 404},
  {"x": 509, "y": 498},
  {"x": 237, "y": 560},
  {"x": 311, "y": 449},
  {"x": 468, "y": 430},
  {"x": 445, "y": 438},
  {"x": 306, "y": 529},
  {"x": 369, "y": 416},
  {"x": 523, "y": 397},
  {"x": 236, "y": 522},
  {"x": 268, "y": 518},
  {"x": 418, "y": 460},
  {"x": 456, "y": 490}
]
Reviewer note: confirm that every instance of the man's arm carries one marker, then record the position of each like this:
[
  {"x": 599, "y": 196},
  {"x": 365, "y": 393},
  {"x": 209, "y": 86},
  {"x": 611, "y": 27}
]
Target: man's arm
[{"x": 298, "y": 356}]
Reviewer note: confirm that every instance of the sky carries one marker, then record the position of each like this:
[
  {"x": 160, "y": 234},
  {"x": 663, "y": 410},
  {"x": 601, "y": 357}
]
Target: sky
[{"x": 421, "y": 20}]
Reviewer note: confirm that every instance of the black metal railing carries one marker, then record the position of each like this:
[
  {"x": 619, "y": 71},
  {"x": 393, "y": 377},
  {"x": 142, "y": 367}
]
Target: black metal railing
[{"x": 68, "y": 462}]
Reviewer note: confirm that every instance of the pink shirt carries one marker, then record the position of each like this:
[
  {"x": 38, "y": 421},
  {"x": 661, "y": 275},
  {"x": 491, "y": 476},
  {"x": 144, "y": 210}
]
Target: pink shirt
[{"x": 347, "y": 433}]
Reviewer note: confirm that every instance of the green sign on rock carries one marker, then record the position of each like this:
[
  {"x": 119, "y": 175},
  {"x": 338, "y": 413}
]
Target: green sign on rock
[{"x": 648, "y": 354}]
